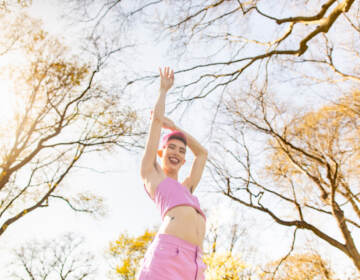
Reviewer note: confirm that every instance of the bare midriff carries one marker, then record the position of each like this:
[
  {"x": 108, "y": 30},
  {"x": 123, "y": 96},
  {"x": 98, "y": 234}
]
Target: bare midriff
[{"x": 186, "y": 223}]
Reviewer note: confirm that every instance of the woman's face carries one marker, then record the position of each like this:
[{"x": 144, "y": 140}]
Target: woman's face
[{"x": 173, "y": 156}]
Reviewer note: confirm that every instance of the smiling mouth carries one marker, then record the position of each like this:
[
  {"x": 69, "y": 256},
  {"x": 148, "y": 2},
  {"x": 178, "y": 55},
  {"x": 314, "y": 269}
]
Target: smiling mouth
[{"x": 174, "y": 160}]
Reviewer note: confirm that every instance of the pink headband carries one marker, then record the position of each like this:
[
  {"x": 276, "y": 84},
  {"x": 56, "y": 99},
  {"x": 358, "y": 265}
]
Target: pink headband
[{"x": 173, "y": 135}]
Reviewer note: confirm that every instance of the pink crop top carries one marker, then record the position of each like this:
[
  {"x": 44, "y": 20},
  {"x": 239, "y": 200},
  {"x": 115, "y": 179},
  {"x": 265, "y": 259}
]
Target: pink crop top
[{"x": 170, "y": 193}]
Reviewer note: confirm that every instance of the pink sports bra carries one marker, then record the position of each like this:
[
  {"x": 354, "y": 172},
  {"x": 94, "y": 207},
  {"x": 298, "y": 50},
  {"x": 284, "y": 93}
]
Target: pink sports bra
[{"x": 170, "y": 193}]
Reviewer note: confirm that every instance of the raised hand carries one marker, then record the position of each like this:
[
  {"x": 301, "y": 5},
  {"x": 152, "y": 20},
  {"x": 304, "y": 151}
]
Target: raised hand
[{"x": 166, "y": 78}]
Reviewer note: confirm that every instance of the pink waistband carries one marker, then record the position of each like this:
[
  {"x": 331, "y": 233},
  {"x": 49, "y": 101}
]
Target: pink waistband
[{"x": 163, "y": 237}]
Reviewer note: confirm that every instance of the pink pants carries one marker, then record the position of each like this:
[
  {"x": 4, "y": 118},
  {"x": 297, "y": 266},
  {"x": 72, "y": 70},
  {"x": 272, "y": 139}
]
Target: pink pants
[{"x": 172, "y": 258}]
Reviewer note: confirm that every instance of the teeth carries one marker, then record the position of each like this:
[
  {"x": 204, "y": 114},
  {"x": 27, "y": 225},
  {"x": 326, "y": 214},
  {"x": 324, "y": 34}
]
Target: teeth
[{"x": 173, "y": 160}]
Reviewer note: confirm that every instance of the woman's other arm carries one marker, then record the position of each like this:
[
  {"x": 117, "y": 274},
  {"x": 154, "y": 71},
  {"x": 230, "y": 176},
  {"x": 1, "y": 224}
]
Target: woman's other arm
[{"x": 199, "y": 152}]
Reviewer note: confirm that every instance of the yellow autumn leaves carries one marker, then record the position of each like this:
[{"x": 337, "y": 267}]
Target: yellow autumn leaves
[
  {"x": 224, "y": 265},
  {"x": 127, "y": 252}
]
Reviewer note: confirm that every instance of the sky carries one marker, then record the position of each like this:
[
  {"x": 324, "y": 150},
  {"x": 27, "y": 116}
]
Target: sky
[{"x": 117, "y": 179}]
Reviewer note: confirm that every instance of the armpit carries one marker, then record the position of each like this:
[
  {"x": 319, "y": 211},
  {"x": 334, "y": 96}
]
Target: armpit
[{"x": 157, "y": 166}]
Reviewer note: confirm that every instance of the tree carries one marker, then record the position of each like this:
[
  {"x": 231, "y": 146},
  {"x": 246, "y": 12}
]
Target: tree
[
  {"x": 226, "y": 47},
  {"x": 62, "y": 112},
  {"x": 9, "y": 5},
  {"x": 219, "y": 44},
  {"x": 224, "y": 265},
  {"x": 299, "y": 266},
  {"x": 61, "y": 258},
  {"x": 127, "y": 252},
  {"x": 308, "y": 178},
  {"x": 227, "y": 246}
]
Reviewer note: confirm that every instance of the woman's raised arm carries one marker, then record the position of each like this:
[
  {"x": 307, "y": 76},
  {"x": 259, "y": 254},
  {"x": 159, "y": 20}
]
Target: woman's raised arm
[{"x": 148, "y": 163}]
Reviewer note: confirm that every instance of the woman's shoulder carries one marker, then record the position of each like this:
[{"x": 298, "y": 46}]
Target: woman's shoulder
[{"x": 152, "y": 181}]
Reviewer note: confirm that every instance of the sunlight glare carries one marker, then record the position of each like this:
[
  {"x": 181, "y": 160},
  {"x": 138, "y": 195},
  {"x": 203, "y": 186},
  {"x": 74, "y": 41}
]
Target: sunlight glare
[{"x": 7, "y": 102}]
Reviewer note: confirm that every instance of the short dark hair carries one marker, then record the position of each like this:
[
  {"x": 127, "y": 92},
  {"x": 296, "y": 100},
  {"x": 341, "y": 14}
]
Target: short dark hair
[
  {"x": 173, "y": 135},
  {"x": 178, "y": 138}
]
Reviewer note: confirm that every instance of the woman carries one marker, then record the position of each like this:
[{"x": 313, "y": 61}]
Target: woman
[{"x": 176, "y": 250}]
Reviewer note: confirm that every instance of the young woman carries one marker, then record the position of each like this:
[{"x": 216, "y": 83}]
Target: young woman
[{"x": 176, "y": 251}]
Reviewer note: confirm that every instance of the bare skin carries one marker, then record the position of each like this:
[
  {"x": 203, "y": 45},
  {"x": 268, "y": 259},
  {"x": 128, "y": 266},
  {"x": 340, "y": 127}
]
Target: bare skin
[
  {"x": 181, "y": 221},
  {"x": 177, "y": 222}
]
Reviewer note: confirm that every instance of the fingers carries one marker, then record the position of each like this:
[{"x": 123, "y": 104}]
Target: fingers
[
  {"x": 166, "y": 73},
  {"x": 166, "y": 78},
  {"x": 172, "y": 74}
]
